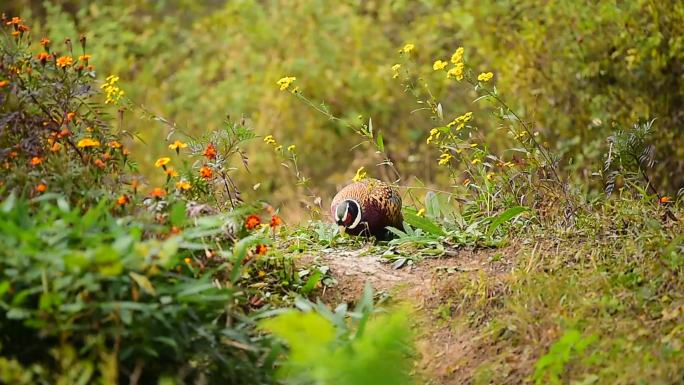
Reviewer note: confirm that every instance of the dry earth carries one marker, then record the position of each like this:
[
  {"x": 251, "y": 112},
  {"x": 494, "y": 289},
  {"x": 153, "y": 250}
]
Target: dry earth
[{"x": 447, "y": 352}]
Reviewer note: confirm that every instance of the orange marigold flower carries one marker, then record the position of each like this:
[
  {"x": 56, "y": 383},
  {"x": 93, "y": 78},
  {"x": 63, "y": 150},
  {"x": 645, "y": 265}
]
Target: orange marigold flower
[
  {"x": 55, "y": 147},
  {"x": 15, "y": 20},
  {"x": 183, "y": 185},
  {"x": 70, "y": 116},
  {"x": 135, "y": 184},
  {"x": 43, "y": 57},
  {"x": 36, "y": 160},
  {"x": 158, "y": 192},
  {"x": 99, "y": 163},
  {"x": 188, "y": 260},
  {"x": 261, "y": 249},
  {"x": 210, "y": 151},
  {"x": 64, "y": 61},
  {"x": 13, "y": 154},
  {"x": 84, "y": 58},
  {"x": 125, "y": 152},
  {"x": 123, "y": 199},
  {"x": 162, "y": 162},
  {"x": 175, "y": 230},
  {"x": 23, "y": 27},
  {"x": 206, "y": 172},
  {"x": 275, "y": 221},
  {"x": 45, "y": 42},
  {"x": 114, "y": 144},
  {"x": 664, "y": 200},
  {"x": 41, "y": 187},
  {"x": 3, "y": 83},
  {"x": 252, "y": 222},
  {"x": 63, "y": 133},
  {"x": 16, "y": 33},
  {"x": 171, "y": 172}
]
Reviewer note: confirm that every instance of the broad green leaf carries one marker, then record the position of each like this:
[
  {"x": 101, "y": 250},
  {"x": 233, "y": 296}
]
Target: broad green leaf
[
  {"x": 505, "y": 217},
  {"x": 422, "y": 223}
]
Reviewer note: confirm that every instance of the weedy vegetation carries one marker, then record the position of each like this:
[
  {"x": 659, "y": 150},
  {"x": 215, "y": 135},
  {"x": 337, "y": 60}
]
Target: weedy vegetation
[{"x": 165, "y": 221}]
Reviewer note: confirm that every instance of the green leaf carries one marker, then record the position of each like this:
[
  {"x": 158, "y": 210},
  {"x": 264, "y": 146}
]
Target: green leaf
[
  {"x": 311, "y": 282},
  {"x": 143, "y": 282},
  {"x": 422, "y": 223},
  {"x": 380, "y": 143},
  {"x": 504, "y": 217},
  {"x": 177, "y": 215}
]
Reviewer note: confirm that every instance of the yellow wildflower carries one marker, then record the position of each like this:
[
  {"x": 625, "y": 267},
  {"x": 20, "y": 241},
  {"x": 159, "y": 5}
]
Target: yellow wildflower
[
  {"x": 434, "y": 135},
  {"x": 112, "y": 91},
  {"x": 360, "y": 175},
  {"x": 396, "y": 69},
  {"x": 408, "y": 47},
  {"x": 485, "y": 76},
  {"x": 461, "y": 121},
  {"x": 475, "y": 161},
  {"x": 84, "y": 58},
  {"x": 88, "y": 142},
  {"x": 456, "y": 72},
  {"x": 183, "y": 185},
  {"x": 177, "y": 145},
  {"x": 457, "y": 57},
  {"x": 445, "y": 158},
  {"x": 285, "y": 82},
  {"x": 439, "y": 65},
  {"x": 114, "y": 144},
  {"x": 291, "y": 148},
  {"x": 162, "y": 162},
  {"x": 490, "y": 175},
  {"x": 421, "y": 212},
  {"x": 269, "y": 139}
]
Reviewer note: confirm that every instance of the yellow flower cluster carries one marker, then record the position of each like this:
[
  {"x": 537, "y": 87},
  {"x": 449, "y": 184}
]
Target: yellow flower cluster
[
  {"x": 456, "y": 72},
  {"x": 408, "y": 47},
  {"x": 360, "y": 175},
  {"x": 88, "y": 142},
  {"x": 457, "y": 59},
  {"x": 439, "y": 65},
  {"x": 485, "y": 76},
  {"x": 270, "y": 140},
  {"x": 112, "y": 91},
  {"x": 291, "y": 148},
  {"x": 395, "y": 69},
  {"x": 461, "y": 121},
  {"x": 434, "y": 135},
  {"x": 445, "y": 158},
  {"x": 285, "y": 82}
]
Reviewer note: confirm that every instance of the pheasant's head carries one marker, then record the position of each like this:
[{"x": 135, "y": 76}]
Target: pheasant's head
[{"x": 348, "y": 213}]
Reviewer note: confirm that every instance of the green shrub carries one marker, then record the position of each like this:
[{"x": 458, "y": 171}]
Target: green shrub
[{"x": 94, "y": 289}]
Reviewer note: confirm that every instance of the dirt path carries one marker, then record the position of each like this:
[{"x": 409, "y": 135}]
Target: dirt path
[{"x": 447, "y": 352}]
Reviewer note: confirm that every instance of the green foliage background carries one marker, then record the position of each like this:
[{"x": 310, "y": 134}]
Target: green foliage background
[{"x": 578, "y": 70}]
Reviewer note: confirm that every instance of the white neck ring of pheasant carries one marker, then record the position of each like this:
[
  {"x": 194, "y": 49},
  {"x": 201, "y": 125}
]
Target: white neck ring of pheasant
[{"x": 348, "y": 213}]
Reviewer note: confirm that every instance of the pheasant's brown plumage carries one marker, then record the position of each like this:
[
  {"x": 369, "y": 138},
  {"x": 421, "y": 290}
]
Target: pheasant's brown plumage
[{"x": 380, "y": 207}]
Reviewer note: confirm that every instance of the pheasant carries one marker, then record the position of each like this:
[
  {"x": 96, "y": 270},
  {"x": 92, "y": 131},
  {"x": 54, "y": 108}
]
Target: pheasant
[{"x": 367, "y": 208}]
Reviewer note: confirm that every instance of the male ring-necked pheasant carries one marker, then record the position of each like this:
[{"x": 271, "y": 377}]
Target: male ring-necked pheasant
[{"x": 367, "y": 208}]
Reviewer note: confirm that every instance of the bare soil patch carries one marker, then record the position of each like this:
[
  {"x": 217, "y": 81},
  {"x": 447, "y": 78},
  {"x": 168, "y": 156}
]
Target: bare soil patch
[{"x": 448, "y": 353}]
